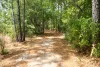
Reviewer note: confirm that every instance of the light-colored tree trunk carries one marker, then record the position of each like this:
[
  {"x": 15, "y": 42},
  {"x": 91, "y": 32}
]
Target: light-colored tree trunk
[
  {"x": 96, "y": 17},
  {"x": 96, "y": 10}
]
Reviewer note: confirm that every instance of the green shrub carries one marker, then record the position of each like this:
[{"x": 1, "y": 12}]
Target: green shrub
[
  {"x": 96, "y": 50},
  {"x": 7, "y": 29},
  {"x": 5, "y": 51},
  {"x": 81, "y": 33},
  {"x": 30, "y": 30},
  {"x": 2, "y": 47}
]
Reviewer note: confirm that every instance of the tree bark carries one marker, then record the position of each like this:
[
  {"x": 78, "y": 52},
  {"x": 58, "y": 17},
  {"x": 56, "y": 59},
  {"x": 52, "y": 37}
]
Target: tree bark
[
  {"x": 96, "y": 10},
  {"x": 96, "y": 17},
  {"x": 24, "y": 22},
  {"x": 19, "y": 22},
  {"x": 14, "y": 22}
]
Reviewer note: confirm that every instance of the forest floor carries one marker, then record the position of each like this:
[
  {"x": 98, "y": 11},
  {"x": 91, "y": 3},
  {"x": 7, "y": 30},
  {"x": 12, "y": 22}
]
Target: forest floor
[{"x": 48, "y": 50}]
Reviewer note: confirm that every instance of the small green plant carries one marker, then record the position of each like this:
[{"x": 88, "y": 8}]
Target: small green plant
[
  {"x": 2, "y": 46},
  {"x": 95, "y": 50},
  {"x": 5, "y": 51}
]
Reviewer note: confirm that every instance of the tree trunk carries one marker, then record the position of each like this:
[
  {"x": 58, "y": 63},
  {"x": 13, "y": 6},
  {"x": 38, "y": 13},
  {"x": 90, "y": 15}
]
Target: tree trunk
[
  {"x": 96, "y": 16},
  {"x": 14, "y": 22},
  {"x": 96, "y": 10},
  {"x": 58, "y": 26},
  {"x": 43, "y": 23},
  {"x": 19, "y": 22},
  {"x": 24, "y": 22},
  {"x": 42, "y": 28}
]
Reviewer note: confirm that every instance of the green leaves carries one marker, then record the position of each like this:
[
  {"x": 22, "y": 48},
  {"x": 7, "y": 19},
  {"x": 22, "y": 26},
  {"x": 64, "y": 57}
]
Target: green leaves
[{"x": 81, "y": 32}]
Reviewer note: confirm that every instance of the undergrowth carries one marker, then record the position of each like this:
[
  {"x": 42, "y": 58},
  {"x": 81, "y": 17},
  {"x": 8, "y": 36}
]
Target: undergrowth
[{"x": 81, "y": 34}]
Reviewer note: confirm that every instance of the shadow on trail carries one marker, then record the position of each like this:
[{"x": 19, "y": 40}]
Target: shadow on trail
[
  {"x": 51, "y": 34},
  {"x": 42, "y": 51},
  {"x": 60, "y": 47}
]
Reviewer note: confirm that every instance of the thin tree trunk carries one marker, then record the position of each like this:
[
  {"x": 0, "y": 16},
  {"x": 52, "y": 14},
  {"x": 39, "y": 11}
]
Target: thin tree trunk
[
  {"x": 58, "y": 18},
  {"x": 24, "y": 22},
  {"x": 14, "y": 22},
  {"x": 19, "y": 22},
  {"x": 42, "y": 18},
  {"x": 42, "y": 25}
]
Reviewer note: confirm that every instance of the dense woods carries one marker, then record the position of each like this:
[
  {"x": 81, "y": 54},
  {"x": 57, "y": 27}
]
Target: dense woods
[{"x": 79, "y": 20}]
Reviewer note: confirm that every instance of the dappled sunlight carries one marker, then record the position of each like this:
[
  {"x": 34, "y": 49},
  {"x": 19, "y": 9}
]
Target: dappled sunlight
[
  {"x": 42, "y": 51},
  {"x": 38, "y": 38},
  {"x": 52, "y": 37}
]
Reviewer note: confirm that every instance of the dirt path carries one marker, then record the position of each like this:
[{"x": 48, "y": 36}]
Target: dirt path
[{"x": 50, "y": 50}]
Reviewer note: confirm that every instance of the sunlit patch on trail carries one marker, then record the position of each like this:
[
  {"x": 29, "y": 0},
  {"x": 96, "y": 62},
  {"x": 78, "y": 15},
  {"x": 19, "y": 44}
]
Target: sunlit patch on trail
[
  {"x": 42, "y": 56},
  {"x": 48, "y": 50},
  {"x": 38, "y": 38},
  {"x": 46, "y": 59}
]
